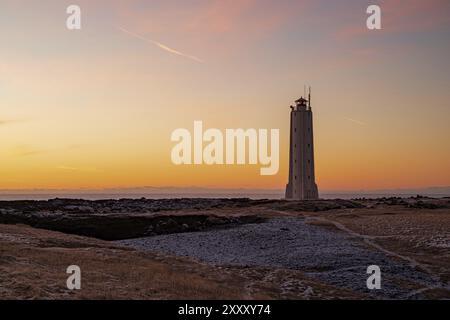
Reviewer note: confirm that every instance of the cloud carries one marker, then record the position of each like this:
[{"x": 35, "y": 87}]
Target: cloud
[
  {"x": 355, "y": 121},
  {"x": 160, "y": 45},
  {"x": 415, "y": 15},
  {"x": 227, "y": 16},
  {"x": 5, "y": 122},
  {"x": 26, "y": 151},
  {"x": 251, "y": 17},
  {"x": 401, "y": 16},
  {"x": 68, "y": 168},
  {"x": 13, "y": 120},
  {"x": 216, "y": 26}
]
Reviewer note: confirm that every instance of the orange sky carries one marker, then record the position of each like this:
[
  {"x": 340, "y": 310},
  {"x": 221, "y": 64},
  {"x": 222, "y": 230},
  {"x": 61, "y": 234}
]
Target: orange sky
[{"x": 95, "y": 108}]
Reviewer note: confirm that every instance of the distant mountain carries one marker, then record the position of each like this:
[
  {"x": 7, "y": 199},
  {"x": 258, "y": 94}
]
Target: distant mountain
[
  {"x": 402, "y": 191},
  {"x": 149, "y": 190}
]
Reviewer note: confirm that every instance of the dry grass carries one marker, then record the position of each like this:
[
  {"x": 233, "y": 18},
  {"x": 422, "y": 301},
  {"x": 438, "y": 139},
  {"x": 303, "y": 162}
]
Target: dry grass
[
  {"x": 33, "y": 266},
  {"x": 30, "y": 271},
  {"x": 33, "y": 262}
]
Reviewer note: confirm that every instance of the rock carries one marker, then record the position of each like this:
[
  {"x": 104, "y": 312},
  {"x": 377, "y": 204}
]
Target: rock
[
  {"x": 79, "y": 209},
  {"x": 212, "y": 220},
  {"x": 185, "y": 226}
]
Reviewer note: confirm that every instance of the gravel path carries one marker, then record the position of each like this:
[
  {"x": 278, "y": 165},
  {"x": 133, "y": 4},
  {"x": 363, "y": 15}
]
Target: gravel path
[{"x": 334, "y": 257}]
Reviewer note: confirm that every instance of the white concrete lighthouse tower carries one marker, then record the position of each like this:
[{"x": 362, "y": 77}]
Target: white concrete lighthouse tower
[{"x": 302, "y": 180}]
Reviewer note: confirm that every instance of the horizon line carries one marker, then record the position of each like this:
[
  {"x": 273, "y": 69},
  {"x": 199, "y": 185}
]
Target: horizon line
[{"x": 214, "y": 189}]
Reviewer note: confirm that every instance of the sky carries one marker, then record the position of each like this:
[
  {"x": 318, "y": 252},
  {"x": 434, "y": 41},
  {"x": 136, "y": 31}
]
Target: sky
[{"x": 95, "y": 108}]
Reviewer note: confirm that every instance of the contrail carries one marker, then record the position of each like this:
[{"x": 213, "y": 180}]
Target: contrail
[
  {"x": 9, "y": 121},
  {"x": 356, "y": 121},
  {"x": 67, "y": 168},
  {"x": 160, "y": 45}
]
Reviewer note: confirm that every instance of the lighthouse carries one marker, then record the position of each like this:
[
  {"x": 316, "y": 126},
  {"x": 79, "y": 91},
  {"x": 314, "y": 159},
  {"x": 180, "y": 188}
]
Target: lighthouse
[{"x": 302, "y": 181}]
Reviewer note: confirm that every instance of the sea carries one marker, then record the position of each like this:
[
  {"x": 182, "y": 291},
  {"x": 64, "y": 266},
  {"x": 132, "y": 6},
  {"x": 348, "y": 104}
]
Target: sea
[{"x": 255, "y": 196}]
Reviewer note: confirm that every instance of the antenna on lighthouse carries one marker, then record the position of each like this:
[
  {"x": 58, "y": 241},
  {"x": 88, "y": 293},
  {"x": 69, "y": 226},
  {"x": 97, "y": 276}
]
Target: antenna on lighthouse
[{"x": 309, "y": 97}]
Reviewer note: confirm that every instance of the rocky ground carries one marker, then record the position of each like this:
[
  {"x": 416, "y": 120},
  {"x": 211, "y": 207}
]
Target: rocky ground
[
  {"x": 336, "y": 258},
  {"x": 128, "y": 219},
  {"x": 33, "y": 265},
  {"x": 235, "y": 248}
]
